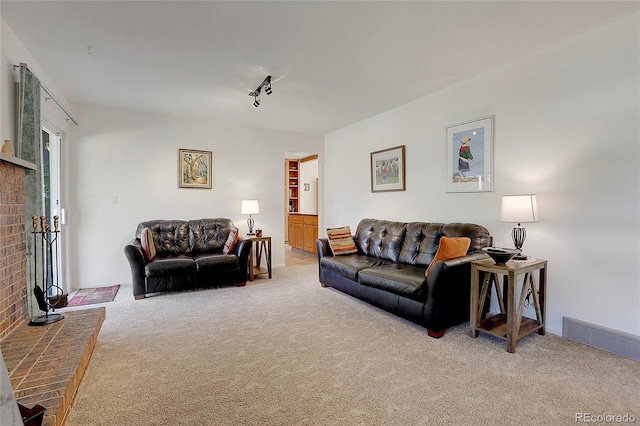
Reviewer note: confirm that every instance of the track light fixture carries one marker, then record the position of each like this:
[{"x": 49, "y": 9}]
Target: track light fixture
[{"x": 266, "y": 85}]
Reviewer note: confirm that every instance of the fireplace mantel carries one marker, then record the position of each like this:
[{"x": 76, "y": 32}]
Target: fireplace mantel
[{"x": 17, "y": 161}]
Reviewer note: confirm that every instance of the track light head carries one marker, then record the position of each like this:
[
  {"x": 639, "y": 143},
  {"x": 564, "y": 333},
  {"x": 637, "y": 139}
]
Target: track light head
[{"x": 266, "y": 85}]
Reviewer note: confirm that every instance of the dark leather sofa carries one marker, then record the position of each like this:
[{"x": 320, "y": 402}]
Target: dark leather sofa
[
  {"x": 189, "y": 255},
  {"x": 388, "y": 270}
]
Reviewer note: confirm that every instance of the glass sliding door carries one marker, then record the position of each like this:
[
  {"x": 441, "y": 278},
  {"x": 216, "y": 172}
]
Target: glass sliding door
[{"x": 51, "y": 143}]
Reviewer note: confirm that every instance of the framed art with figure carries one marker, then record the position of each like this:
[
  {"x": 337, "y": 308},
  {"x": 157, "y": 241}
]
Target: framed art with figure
[
  {"x": 387, "y": 170},
  {"x": 194, "y": 168},
  {"x": 470, "y": 156}
]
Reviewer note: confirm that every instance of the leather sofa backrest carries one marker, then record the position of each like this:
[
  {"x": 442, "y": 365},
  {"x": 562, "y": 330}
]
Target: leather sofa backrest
[
  {"x": 380, "y": 238},
  {"x": 479, "y": 235},
  {"x": 420, "y": 243},
  {"x": 414, "y": 243},
  {"x": 185, "y": 237},
  {"x": 169, "y": 236},
  {"x": 208, "y": 235}
]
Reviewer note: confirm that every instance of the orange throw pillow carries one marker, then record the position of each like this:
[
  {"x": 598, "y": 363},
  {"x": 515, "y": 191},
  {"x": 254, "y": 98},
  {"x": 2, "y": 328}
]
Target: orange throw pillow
[{"x": 449, "y": 248}]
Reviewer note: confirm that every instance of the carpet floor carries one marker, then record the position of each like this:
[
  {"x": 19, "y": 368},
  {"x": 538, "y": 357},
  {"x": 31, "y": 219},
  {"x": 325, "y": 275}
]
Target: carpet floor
[{"x": 289, "y": 352}]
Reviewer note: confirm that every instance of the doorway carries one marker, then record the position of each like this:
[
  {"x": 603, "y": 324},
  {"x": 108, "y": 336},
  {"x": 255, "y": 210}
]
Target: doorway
[
  {"x": 301, "y": 171},
  {"x": 51, "y": 183}
]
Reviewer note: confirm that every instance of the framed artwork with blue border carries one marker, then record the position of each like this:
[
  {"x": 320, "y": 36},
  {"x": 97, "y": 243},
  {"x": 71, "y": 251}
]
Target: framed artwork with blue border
[{"x": 470, "y": 156}]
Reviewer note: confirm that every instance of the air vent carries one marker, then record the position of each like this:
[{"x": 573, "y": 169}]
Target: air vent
[{"x": 617, "y": 342}]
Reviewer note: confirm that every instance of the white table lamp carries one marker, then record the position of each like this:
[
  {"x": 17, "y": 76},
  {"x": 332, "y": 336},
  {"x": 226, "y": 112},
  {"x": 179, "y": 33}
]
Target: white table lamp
[
  {"x": 250, "y": 207},
  {"x": 519, "y": 209}
]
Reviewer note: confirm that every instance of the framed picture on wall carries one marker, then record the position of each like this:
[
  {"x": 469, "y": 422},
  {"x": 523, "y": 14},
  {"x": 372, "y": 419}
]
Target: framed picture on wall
[
  {"x": 194, "y": 168},
  {"x": 470, "y": 156},
  {"x": 387, "y": 170}
]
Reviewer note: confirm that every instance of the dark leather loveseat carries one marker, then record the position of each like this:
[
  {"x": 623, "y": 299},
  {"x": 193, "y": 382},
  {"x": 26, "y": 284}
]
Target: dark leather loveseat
[
  {"x": 388, "y": 270},
  {"x": 189, "y": 254}
]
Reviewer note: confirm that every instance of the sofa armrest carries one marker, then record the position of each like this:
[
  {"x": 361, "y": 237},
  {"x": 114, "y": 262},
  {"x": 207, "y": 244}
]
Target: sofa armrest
[
  {"x": 243, "y": 250},
  {"x": 449, "y": 291},
  {"x": 137, "y": 262},
  {"x": 322, "y": 247},
  {"x": 465, "y": 259}
]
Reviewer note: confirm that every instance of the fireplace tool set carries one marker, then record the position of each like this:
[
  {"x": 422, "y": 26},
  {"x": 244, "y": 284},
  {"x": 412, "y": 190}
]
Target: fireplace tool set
[{"x": 49, "y": 295}]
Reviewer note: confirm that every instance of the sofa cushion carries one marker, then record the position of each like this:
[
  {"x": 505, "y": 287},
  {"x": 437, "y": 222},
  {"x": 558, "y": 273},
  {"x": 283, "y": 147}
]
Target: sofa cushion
[
  {"x": 232, "y": 239},
  {"x": 450, "y": 248},
  {"x": 380, "y": 238},
  {"x": 224, "y": 261},
  {"x": 171, "y": 265},
  {"x": 148, "y": 246},
  {"x": 420, "y": 243},
  {"x": 341, "y": 241},
  {"x": 397, "y": 278},
  {"x": 349, "y": 266}
]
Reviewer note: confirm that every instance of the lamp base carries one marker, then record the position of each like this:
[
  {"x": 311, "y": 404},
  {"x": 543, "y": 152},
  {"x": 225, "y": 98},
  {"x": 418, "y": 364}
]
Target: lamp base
[{"x": 251, "y": 233}]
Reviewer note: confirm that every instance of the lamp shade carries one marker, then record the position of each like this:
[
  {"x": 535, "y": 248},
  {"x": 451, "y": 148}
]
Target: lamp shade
[
  {"x": 519, "y": 208},
  {"x": 250, "y": 207}
]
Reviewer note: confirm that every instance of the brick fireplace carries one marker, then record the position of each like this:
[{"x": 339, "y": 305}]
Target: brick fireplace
[
  {"x": 13, "y": 255},
  {"x": 45, "y": 365}
]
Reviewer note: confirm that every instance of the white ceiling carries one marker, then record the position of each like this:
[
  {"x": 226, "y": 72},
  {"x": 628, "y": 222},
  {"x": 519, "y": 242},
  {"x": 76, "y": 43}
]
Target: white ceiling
[{"x": 334, "y": 62}]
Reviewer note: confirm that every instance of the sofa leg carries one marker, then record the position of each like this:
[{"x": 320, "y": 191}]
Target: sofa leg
[
  {"x": 139, "y": 296},
  {"x": 242, "y": 284},
  {"x": 436, "y": 334},
  {"x": 322, "y": 285}
]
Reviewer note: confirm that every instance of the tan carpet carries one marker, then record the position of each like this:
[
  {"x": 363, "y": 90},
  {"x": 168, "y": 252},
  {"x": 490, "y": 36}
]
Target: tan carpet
[{"x": 288, "y": 352}]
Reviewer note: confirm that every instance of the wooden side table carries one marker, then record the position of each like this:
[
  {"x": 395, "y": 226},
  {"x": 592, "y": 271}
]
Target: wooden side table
[
  {"x": 509, "y": 324},
  {"x": 262, "y": 247}
]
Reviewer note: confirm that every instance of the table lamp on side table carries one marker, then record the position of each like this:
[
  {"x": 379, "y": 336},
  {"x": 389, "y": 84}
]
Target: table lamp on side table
[
  {"x": 519, "y": 209},
  {"x": 250, "y": 207}
]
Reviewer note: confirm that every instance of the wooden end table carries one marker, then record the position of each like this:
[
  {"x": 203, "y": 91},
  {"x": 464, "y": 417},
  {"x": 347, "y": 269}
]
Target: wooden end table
[
  {"x": 262, "y": 246},
  {"x": 509, "y": 324}
]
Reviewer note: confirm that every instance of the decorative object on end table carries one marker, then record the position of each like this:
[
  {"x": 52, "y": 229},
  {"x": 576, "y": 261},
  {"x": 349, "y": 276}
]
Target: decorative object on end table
[
  {"x": 250, "y": 207},
  {"x": 500, "y": 255},
  {"x": 387, "y": 170},
  {"x": 519, "y": 209},
  {"x": 194, "y": 168},
  {"x": 470, "y": 156}
]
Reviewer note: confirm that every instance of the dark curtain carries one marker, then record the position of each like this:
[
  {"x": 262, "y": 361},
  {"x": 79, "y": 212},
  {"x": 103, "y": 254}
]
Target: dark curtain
[{"x": 29, "y": 148}]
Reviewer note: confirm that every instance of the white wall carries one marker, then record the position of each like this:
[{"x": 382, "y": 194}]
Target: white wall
[
  {"x": 566, "y": 128},
  {"x": 134, "y": 155},
  {"x": 308, "y": 175},
  {"x": 13, "y": 53}
]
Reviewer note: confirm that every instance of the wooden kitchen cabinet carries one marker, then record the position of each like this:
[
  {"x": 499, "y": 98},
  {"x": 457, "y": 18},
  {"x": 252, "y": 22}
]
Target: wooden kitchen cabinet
[{"x": 303, "y": 232}]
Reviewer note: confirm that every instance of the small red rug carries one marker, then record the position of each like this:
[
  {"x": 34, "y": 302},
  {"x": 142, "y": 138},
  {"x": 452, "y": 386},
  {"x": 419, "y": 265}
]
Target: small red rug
[{"x": 89, "y": 296}]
